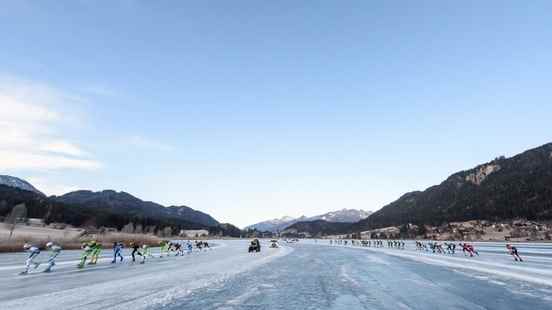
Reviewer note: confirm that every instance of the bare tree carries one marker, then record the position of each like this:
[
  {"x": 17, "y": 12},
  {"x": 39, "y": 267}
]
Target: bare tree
[
  {"x": 166, "y": 232},
  {"x": 18, "y": 214}
]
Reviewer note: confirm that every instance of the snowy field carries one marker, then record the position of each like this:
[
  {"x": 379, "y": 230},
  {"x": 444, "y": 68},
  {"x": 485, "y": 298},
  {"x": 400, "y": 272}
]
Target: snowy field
[{"x": 307, "y": 275}]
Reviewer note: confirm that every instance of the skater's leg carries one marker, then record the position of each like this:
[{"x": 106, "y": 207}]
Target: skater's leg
[
  {"x": 83, "y": 259},
  {"x": 28, "y": 263},
  {"x": 95, "y": 256},
  {"x": 92, "y": 258},
  {"x": 51, "y": 262}
]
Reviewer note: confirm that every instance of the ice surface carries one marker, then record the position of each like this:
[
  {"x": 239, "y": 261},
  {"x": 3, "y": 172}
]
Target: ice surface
[
  {"x": 306, "y": 275},
  {"x": 118, "y": 286}
]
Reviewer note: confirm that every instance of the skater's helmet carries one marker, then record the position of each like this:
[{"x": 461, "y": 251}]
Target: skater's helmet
[
  {"x": 49, "y": 244},
  {"x": 27, "y": 246}
]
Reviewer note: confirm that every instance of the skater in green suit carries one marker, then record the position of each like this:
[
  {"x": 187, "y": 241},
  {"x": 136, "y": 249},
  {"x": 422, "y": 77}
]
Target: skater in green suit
[
  {"x": 146, "y": 252},
  {"x": 96, "y": 251},
  {"x": 88, "y": 248},
  {"x": 164, "y": 248}
]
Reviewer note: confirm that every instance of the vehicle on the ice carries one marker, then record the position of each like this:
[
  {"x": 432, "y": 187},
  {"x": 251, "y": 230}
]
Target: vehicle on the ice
[
  {"x": 255, "y": 246},
  {"x": 274, "y": 244}
]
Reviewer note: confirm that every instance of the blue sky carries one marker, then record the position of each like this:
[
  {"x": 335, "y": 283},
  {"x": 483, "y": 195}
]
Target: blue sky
[{"x": 251, "y": 110}]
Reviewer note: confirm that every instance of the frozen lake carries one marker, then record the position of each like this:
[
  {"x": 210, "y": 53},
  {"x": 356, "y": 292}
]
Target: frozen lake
[{"x": 306, "y": 275}]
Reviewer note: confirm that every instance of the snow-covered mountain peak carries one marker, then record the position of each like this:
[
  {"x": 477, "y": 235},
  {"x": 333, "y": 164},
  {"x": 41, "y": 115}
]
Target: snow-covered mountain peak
[
  {"x": 342, "y": 216},
  {"x": 285, "y": 219},
  {"x": 18, "y": 183}
]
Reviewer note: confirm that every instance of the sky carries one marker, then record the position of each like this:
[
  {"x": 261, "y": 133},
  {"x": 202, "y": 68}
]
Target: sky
[{"x": 251, "y": 110}]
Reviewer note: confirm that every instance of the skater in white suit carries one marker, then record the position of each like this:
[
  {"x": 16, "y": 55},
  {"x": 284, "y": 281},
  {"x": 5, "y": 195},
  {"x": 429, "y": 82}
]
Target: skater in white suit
[
  {"x": 33, "y": 252},
  {"x": 55, "y": 250}
]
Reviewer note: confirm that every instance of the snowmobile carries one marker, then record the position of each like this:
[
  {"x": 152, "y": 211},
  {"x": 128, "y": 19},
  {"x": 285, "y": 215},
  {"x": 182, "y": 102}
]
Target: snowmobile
[{"x": 254, "y": 246}]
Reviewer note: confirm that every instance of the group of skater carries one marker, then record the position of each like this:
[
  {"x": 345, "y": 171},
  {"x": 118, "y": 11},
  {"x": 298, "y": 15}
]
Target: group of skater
[
  {"x": 437, "y": 247},
  {"x": 446, "y": 247},
  {"x": 34, "y": 251},
  {"x": 395, "y": 244},
  {"x": 398, "y": 244},
  {"x": 91, "y": 252}
]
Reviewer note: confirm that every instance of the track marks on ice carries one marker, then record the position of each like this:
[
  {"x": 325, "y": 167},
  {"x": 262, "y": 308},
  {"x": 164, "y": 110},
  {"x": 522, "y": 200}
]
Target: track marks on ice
[
  {"x": 153, "y": 285},
  {"x": 524, "y": 273}
]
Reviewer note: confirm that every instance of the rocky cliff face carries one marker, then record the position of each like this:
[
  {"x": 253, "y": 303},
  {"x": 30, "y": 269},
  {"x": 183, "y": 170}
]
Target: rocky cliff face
[{"x": 480, "y": 174}]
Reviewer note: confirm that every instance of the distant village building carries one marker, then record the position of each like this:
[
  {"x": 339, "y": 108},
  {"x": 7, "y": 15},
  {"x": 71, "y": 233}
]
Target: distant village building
[
  {"x": 195, "y": 233},
  {"x": 36, "y": 222}
]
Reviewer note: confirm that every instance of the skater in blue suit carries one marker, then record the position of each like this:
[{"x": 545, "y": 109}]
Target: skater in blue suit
[{"x": 117, "y": 252}]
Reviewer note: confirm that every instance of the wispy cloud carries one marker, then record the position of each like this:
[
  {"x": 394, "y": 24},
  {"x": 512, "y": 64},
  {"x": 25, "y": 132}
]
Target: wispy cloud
[
  {"x": 23, "y": 159},
  {"x": 29, "y": 123},
  {"x": 148, "y": 143},
  {"x": 62, "y": 147}
]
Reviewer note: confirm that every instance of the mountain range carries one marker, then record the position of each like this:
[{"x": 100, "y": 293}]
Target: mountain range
[
  {"x": 339, "y": 216},
  {"x": 317, "y": 228},
  {"x": 126, "y": 204},
  {"x": 503, "y": 189},
  {"x": 519, "y": 187},
  {"x": 106, "y": 208}
]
